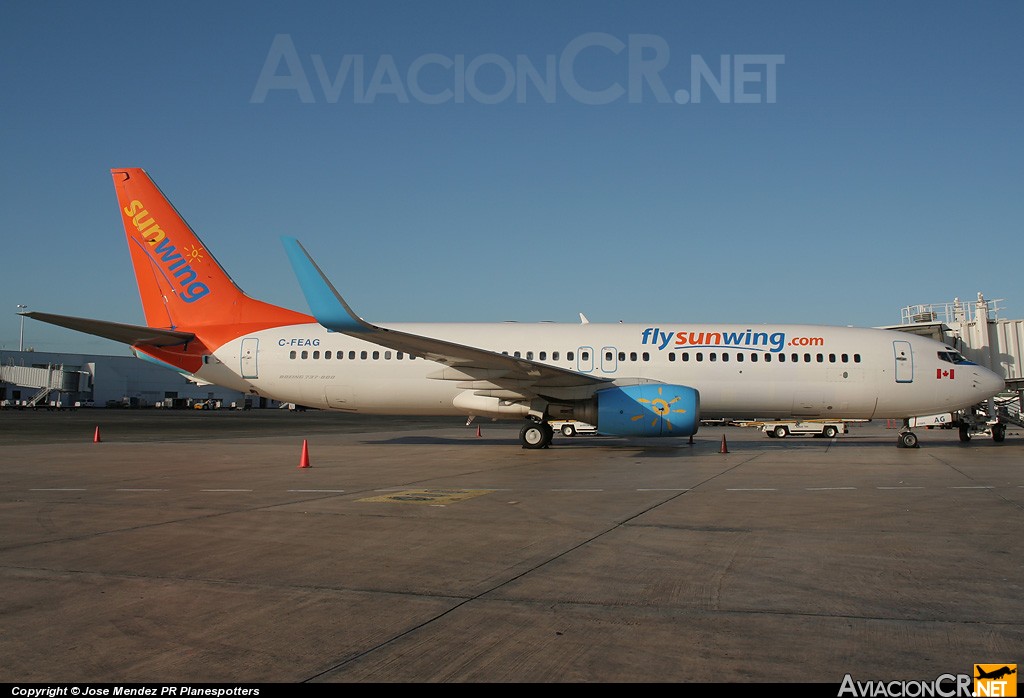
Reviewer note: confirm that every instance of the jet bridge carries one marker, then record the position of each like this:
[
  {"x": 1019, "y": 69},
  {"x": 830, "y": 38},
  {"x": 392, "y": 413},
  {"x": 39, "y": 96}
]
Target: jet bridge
[
  {"x": 46, "y": 381},
  {"x": 975, "y": 329}
]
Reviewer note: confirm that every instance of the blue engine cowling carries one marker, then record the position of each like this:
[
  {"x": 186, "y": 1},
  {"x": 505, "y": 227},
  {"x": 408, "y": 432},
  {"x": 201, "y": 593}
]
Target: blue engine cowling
[{"x": 650, "y": 409}]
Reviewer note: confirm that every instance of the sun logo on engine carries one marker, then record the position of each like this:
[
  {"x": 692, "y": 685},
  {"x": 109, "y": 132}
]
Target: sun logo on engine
[{"x": 661, "y": 407}]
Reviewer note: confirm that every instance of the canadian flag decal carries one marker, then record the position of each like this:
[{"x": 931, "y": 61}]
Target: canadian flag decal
[{"x": 940, "y": 374}]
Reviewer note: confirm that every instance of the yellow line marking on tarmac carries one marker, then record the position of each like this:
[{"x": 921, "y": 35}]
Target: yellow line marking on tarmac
[{"x": 431, "y": 496}]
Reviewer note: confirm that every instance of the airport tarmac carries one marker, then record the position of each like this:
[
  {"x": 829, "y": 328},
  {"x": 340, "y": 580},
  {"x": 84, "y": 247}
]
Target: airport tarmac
[{"x": 189, "y": 547}]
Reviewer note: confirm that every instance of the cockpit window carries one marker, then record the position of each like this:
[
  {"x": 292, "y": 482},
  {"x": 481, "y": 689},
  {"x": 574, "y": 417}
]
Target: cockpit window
[{"x": 953, "y": 357}]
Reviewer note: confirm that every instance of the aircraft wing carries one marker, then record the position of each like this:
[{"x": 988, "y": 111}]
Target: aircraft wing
[
  {"x": 466, "y": 363},
  {"x": 117, "y": 331}
]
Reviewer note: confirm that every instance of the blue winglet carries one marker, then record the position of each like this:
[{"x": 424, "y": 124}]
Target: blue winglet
[{"x": 326, "y": 304}]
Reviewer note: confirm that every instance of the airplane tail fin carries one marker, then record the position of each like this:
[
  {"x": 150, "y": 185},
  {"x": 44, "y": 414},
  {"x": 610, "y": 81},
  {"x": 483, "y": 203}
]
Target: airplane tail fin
[{"x": 181, "y": 284}]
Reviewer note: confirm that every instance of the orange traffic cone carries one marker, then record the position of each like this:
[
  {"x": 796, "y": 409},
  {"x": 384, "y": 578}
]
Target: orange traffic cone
[
  {"x": 478, "y": 434},
  {"x": 724, "y": 449},
  {"x": 96, "y": 437},
  {"x": 304, "y": 460}
]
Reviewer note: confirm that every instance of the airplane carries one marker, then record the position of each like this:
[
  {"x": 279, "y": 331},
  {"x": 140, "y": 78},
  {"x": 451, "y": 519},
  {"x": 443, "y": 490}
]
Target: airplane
[
  {"x": 995, "y": 674},
  {"x": 655, "y": 379}
]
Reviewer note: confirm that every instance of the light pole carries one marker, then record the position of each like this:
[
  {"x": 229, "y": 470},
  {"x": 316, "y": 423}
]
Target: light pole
[{"x": 21, "y": 341}]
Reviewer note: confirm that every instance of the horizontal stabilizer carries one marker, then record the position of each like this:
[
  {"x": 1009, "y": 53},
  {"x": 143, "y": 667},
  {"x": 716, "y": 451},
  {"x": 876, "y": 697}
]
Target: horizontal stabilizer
[{"x": 118, "y": 331}]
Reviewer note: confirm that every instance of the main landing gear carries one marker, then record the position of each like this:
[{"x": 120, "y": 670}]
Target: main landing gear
[{"x": 536, "y": 435}]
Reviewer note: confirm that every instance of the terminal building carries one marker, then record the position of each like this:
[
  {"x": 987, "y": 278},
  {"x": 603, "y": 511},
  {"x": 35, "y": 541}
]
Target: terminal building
[{"x": 60, "y": 380}]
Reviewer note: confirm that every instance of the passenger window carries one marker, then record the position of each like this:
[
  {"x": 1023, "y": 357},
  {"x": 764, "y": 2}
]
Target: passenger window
[
  {"x": 387, "y": 355},
  {"x": 831, "y": 358},
  {"x": 554, "y": 356},
  {"x": 327, "y": 354},
  {"x": 376, "y": 355},
  {"x": 686, "y": 356},
  {"x": 543, "y": 356},
  {"x": 363, "y": 355},
  {"x": 712, "y": 356},
  {"x": 671, "y": 357},
  {"x": 305, "y": 354},
  {"x": 569, "y": 355},
  {"x": 585, "y": 356},
  {"x": 608, "y": 356},
  {"x": 291, "y": 354},
  {"x": 782, "y": 358},
  {"x": 400, "y": 355},
  {"x": 622, "y": 356},
  {"x": 753, "y": 357},
  {"x": 646, "y": 356},
  {"x": 807, "y": 358},
  {"x": 767, "y": 358},
  {"x": 351, "y": 355},
  {"x": 856, "y": 358},
  {"x": 739, "y": 357},
  {"x": 700, "y": 356},
  {"x": 529, "y": 355},
  {"x": 632, "y": 356},
  {"x": 316, "y": 354}
]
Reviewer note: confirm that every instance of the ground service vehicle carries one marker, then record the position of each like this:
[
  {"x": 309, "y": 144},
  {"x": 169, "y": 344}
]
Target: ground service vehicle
[
  {"x": 570, "y": 427},
  {"x": 779, "y": 430}
]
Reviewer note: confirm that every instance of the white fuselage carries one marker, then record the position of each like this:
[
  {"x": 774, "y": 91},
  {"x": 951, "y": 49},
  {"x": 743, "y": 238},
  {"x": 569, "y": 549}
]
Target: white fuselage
[{"x": 739, "y": 370}]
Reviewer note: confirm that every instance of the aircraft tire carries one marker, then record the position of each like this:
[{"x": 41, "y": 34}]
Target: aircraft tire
[
  {"x": 907, "y": 439},
  {"x": 998, "y": 432},
  {"x": 536, "y": 435},
  {"x": 965, "y": 434}
]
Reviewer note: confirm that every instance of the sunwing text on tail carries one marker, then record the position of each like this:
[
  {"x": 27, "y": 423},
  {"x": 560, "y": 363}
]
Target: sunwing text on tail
[{"x": 653, "y": 379}]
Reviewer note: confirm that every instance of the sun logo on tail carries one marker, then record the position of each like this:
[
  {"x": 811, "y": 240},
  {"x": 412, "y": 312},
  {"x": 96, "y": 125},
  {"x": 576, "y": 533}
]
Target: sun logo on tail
[
  {"x": 661, "y": 407},
  {"x": 193, "y": 253}
]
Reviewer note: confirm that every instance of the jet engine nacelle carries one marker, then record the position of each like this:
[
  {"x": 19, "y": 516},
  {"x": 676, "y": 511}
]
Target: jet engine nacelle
[{"x": 648, "y": 409}]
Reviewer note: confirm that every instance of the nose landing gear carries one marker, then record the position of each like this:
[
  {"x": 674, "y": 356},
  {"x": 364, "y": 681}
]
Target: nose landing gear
[{"x": 907, "y": 439}]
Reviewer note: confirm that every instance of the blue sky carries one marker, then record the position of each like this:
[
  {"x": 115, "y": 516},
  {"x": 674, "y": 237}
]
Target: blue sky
[{"x": 883, "y": 168}]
